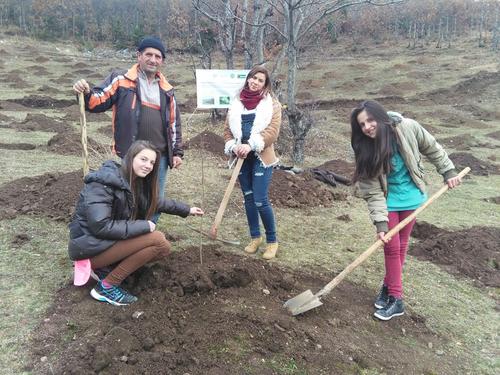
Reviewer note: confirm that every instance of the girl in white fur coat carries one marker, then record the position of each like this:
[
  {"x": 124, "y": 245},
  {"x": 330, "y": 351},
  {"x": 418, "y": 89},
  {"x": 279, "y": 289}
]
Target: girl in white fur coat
[{"x": 251, "y": 128}]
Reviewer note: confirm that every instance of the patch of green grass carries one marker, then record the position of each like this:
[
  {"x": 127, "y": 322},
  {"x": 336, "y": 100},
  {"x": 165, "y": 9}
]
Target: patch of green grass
[
  {"x": 36, "y": 138},
  {"x": 234, "y": 349},
  {"x": 29, "y": 275},
  {"x": 17, "y": 163},
  {"x": 285, "y": 366}
]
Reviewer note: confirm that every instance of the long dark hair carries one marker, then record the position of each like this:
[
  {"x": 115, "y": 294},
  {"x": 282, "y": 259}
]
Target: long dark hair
[
  {"x": 373, "y": 155},
  {"x": 144, "y": 190},
  {"x": 267, "y": 89}
]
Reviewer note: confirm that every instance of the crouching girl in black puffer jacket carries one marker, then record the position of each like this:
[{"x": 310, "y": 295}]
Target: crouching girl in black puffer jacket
[{"x": 112, "y": 221}]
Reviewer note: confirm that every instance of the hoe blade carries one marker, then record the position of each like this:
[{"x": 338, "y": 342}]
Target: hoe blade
[{"x": 303, "y": 302}]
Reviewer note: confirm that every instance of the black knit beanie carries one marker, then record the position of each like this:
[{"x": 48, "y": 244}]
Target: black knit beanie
[{"x": 153, "y": 42}]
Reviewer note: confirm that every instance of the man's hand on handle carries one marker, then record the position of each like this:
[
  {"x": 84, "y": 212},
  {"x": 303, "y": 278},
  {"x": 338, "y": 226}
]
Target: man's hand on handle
[{"x": 81, "y": 86}]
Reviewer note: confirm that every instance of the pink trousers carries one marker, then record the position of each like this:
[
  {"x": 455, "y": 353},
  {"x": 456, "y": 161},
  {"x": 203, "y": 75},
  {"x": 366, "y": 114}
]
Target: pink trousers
[{"x": 395, "y": 253}]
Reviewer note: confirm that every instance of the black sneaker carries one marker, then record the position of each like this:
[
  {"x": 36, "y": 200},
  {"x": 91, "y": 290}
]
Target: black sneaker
[
  {"x": 393, "y": 308},
  {"x": 113, "y": 295},
  {"x": 382, "y": 298}
]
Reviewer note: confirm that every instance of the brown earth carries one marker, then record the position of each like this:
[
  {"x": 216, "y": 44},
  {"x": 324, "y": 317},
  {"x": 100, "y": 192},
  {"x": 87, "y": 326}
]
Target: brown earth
[
  {"x": 40, "y": 122},
  {"x": 226, "y": 317},
  {"x": 492, "y": 200},
  {"x": 80, "y": 65},
  {"x": 338, "y": 166},
  {"x": 4, "y": 118},
  {"x": 494, "y": 135},
  {"x": 17, "y": 146},
  {"x": 47, "y": 89},
  {"x": 41, "y": 59},
  {"x": 477, "y": 166},
  {"x": 106, "y": 130},
  {"x": 464, "y": 142},
  {"x": 461, "y": 91},
  {"x": 208, "y": 141},
  {"x": 39, "y": 101},
  {"x": 73, "y": 114},
  {"x": 70, "y": 143},
  {"x": 301, "y": 190},
  {"x": 52, "y": 195},
  {"x": 471, "y": 252}
]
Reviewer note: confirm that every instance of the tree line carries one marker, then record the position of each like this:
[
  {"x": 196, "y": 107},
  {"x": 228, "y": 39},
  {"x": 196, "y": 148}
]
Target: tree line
[{"x": 271, "y": 32}]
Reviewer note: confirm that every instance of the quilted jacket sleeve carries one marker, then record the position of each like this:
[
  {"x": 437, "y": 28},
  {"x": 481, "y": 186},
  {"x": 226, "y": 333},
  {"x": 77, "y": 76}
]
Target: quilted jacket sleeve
[
  {"x": 103, "y": 96},
  {"x": 99, "y": 207},
  {"x": 172, "y": 207},
  {"x": 372, "y": 192}
]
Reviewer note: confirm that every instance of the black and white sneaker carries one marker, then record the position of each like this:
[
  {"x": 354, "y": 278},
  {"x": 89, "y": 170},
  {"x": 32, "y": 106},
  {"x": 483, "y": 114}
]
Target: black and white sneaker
[
  {"x": 382, "y": 298},
  {"x": 394, "y": 307}
]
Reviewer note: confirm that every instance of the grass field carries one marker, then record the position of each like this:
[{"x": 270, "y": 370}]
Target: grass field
[{"x": 455, "y": 308}]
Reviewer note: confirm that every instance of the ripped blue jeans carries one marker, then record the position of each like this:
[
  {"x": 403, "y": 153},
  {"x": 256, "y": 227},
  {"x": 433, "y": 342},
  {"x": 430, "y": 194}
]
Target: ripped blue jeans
[{"x": 254, "y": 181}]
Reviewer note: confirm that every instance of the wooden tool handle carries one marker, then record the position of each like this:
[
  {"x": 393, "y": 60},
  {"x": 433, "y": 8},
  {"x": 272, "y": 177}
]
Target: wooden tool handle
[
  {"x": 225, "y": 199},
  {"x": 332, "y": 284},
  {"x": 83, "y": 123}
]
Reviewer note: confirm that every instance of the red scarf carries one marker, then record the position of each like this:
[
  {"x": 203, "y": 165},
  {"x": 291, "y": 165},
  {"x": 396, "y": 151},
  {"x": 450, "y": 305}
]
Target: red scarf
[{"x": 250, "y": 99}]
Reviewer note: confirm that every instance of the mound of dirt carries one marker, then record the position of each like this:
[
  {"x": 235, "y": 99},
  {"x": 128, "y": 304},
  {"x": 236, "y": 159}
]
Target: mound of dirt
[
  {"x": 462, "y": 90},
  {"x": 41, "y": 59},
  {"x": 223, "y": 318},
  {"x": 492, "y": 200},
  {"x": 423, "y": 230},
  {"x": 4, "y": 118},
  {"x": 477, "y": 166},
  {"x": 83, "y": 72},
  {"x": 494, "y": 135},
  {"x": 17, "y": 146},
  {"x": 301, "y": 190},
  {"x": 39, "y": 70},
  {"x": 38, "y": 101},
  {"x": 73, "y": 114},
  {"x": 80, "y": 65},
  {"x": 208, "y": 141},
  {"x": 69, "y": 143},
  {"x": 472, "y": 252},
  {"x": 338, "y": 166},
  {"x": 53, "y": 195},
  {"x": 40, "y": 122},
  {"x": 464, "y": 142},
  {"x": 47, "y": 89},
  {"x": 106, "y": 130}
]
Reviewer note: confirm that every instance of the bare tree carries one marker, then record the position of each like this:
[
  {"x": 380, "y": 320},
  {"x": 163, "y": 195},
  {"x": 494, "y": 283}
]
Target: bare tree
[
  {"x": 300, "y": 18},
  {"x": 226, "y": 20}
]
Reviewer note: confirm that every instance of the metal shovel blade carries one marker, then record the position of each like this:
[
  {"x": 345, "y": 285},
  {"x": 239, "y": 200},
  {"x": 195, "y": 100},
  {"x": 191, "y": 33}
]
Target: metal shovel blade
[{"x": 305, "y": 301}]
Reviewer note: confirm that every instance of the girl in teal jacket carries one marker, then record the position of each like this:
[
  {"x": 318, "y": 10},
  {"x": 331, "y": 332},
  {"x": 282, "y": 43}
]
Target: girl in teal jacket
[{"x": 388, "y": 149}]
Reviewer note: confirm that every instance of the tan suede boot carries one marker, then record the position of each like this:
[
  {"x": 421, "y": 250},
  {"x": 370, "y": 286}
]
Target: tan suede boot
[
  {"x": 271, "y": 250},
  {"x": 253, "y": 246}
]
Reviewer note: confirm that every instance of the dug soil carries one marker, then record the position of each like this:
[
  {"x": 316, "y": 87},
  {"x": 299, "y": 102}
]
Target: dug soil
[
  {"x": 52, "y": 195},
  {"x": 208, "y": 141},
  {"x": 477, "y": 166},
  {"x": 70, "y": 144},
  {"x": 226, "y": 317},
  {"x": 40, "y": 122},
  {"x": 471, "y": 252},
  {"x": 301, "y": 191}
]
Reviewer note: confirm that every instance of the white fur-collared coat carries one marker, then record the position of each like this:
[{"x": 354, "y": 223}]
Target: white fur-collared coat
[{"x": 265, "y": 129}]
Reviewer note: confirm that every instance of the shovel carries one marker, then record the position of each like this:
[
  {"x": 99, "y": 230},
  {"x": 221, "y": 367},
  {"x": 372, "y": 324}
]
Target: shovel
[
  {"x": 225, "y": 199},
  {"x": 307, "y": 300}
]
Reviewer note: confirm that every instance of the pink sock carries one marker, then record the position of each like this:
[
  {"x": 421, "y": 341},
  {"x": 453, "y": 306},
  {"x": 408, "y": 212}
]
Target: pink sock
[{"x": 106, "y": 284}]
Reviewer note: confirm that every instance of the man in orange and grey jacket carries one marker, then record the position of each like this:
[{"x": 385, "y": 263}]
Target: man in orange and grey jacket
[{"x": 143, "y": 105}]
